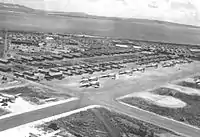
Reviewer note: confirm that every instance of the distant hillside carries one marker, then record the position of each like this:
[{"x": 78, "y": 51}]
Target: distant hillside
[
  {"x": 23, "y": 9},
  {"x": 84, "y": 15},
  {"x": 14, "y": 7},
  {"x": 74, "y": 14},
  {"x": 20, "y": 18}
]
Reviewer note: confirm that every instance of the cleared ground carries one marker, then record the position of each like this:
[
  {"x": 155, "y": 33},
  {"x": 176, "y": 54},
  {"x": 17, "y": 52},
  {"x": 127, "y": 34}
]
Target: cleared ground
[
  {"x": 188, "y": 113},
  {"x": 124, "y": 84},
  {"x": 34, "y": 94},
  {"x": 30, "y": 97},
  {"x": 111, "y": 89},
  {"x": 9, "y": 81},
  {"x": 160, "y": 100}
]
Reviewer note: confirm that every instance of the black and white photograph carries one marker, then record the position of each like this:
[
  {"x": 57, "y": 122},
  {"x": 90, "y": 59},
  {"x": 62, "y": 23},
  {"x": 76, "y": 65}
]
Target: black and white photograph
[{"x": 99, "y": 68}]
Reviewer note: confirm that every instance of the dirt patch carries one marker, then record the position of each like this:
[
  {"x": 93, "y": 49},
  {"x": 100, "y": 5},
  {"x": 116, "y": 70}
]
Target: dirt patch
[
  {"x": 161, "y": 100},
  {"x": 188, "y": 114},
  {"x": 35, "y": 95},
  {"x": 20, "y": 105}
]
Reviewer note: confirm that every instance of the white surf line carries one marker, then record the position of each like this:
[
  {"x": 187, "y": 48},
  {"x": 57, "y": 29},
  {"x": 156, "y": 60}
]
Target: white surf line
[
  {"x": 123, "y": 103},
  {"x": 49, "y": 119},
  {"x": 39, "y": 107}
]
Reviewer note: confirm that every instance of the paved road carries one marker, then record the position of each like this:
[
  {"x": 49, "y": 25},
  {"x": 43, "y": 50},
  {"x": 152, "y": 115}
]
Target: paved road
[
  {"x": 58, "y": 109},
  {"x": 151, "y": 118},
  {"x": 106, "y": 97},
  {"x": 28, "y": 117}
]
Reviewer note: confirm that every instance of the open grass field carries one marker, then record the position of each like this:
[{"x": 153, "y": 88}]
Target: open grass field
[
  {"x": 145, "y": 30},
  {"x": 188, "y": 114}
]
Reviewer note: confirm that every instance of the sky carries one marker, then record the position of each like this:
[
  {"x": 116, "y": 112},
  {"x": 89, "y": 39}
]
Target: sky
[{"x": 179, "y": 11}]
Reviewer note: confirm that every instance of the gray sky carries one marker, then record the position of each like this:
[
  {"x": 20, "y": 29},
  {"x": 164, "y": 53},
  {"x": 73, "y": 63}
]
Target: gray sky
[{"x": 181, "y": 11}]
